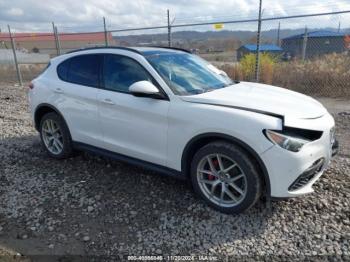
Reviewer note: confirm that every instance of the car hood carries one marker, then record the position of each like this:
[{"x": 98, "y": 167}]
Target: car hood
[{"x": 262, "y": 99}]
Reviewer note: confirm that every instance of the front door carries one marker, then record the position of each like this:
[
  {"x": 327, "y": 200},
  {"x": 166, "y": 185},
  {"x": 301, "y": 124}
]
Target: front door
[{"x": 132, "y": 126}]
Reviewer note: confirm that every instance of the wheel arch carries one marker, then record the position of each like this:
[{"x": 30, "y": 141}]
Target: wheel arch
[
  {"x": 200, "y": 140},
  {"x": 43, "y": 109}
]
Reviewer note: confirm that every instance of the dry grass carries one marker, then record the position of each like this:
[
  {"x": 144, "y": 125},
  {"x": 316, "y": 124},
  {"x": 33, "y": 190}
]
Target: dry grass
[
  {"x": 28, "y": 71},
  {"x": 327, "y": 76},
  {"x": 220, "y": 56}
]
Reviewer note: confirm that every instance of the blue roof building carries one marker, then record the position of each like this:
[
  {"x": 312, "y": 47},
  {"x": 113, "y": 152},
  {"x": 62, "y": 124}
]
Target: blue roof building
[
  {"x": 317, "y": 43},
  {"x": 252, "y": 48},
  {"x": 263, "y": 48},
  {"x": 316, "y": 34}
]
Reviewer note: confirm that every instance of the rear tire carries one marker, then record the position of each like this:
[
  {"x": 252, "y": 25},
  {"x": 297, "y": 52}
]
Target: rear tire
[
  {"x": 225, "y": 177},
  {"x": 55, "y": 136}
]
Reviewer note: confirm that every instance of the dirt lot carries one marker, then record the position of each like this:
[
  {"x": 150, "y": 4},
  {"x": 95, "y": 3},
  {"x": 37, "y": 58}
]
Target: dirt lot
[{"x": 91, "y": 206}]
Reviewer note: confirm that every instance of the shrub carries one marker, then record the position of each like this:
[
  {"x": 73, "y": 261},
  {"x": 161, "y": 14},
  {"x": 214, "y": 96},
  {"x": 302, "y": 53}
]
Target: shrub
[{"x": 245, "y": 69}]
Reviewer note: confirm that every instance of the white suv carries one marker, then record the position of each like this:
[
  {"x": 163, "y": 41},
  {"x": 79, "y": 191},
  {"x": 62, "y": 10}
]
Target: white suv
[{"x": 170, "y": 111}]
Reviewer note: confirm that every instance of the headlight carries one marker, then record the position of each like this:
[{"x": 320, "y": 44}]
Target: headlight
[{"x": 285, "y": 141}]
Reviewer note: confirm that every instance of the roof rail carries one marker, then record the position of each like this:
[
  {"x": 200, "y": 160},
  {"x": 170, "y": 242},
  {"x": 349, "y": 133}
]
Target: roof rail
[
  {"x": 174, "y": 48},
  {"x": 105, "y": 47}
]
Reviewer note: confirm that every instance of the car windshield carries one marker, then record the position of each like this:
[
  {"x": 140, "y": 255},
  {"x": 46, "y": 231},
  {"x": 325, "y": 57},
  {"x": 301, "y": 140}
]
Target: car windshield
[{"x": 188, "y": 74}]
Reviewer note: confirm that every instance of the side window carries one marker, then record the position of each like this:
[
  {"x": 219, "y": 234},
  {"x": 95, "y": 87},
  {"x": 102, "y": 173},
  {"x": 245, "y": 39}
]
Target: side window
[
  {"x": 81, "y": 70},
  {"x": 84, "y": 70},
  {"x": 121, "y": 72}
]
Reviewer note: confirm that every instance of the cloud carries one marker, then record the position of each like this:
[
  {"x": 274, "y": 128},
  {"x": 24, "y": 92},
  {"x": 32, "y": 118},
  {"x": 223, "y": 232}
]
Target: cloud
[
  {"x": 87, "y": 15},
  {"x": 15, "y": 12}
]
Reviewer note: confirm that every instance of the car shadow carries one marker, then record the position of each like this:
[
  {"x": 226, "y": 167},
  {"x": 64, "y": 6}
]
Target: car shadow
[{"x": 88, "y": 205}]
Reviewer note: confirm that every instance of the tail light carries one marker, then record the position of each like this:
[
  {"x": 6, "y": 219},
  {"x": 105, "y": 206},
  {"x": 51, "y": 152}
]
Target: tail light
[{"x": 31, "y": 85}]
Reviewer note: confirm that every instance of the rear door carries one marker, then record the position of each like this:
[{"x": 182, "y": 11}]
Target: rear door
[
  {"x": 77, "y": 94},
  {"x": 132, "y": 126}
]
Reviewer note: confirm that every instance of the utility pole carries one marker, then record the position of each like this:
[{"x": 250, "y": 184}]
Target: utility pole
[
  {"x": 339, "y": 27},
  {"x": 278, "y": 34},
  {"x": 257, "y": 61},
  {"x": 105, "y": 30},
  {"x": 303, "y": 55},
  {"x": 19, "y": 76},
  {"x": 169, "y": 29}
]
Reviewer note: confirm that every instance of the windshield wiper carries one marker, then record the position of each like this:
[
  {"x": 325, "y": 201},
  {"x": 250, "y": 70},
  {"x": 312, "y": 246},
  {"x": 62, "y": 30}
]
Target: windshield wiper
[{"x": 196, "y": 91}]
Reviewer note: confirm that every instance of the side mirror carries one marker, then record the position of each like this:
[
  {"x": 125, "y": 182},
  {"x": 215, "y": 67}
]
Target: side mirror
[{"x": 145, "y": 89}]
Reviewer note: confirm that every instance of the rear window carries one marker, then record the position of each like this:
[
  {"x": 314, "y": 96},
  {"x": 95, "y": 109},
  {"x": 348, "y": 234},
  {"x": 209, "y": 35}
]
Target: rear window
[{"x": 81, "y": 70}]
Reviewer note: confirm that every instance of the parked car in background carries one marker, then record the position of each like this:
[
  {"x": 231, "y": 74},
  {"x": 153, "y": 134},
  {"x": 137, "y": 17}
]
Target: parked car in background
[{"x": 171, "y": 111}]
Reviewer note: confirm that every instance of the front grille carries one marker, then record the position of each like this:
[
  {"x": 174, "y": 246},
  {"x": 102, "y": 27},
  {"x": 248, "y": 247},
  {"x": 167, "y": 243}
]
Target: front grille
[{"x": 307, "y": 175}]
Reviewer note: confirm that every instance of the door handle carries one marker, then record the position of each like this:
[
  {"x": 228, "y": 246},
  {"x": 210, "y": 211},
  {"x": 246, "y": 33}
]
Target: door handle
[
  {"x": 107, "y": 101},
  {"x": 58, "y": 91}
]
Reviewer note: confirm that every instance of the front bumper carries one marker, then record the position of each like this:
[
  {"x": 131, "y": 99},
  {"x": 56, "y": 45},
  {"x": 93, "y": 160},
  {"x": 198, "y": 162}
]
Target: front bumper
[{"x": 293, "y": 174}]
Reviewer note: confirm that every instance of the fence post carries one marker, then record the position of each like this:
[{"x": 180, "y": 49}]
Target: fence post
[
  {"x": 19, "y": 76},
  {"x": 169, "y": 29},
  {"x": 257, "y": 61},
  {"x": 105, "y": 31},
  {"x": 278, "y": 34},
  {"x": 58, "y": 41},
  {"x": 304, "y": 45},
  {"x": 55, "y": 38}
]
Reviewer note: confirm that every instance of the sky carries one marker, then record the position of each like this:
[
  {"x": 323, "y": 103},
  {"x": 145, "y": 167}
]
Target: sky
[{"x": 86, "y": 15}]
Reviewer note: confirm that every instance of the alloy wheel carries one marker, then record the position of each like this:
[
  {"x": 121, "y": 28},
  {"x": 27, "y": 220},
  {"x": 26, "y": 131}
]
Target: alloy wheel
[
  {"x": 221, "y": 180},
  {"x": 52, "y": 136}
]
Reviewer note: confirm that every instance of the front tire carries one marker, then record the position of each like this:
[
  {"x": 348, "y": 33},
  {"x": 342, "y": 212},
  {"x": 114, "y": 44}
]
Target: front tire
[
  {"x": 225, "y": 177},
  {"x": 55, "y": 136}
]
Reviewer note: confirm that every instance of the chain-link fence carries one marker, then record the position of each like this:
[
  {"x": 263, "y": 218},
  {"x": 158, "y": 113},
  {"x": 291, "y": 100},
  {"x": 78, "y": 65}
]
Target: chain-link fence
[
  {"x": 313, "y": 60},
  {"x": 306, "y": 53}
]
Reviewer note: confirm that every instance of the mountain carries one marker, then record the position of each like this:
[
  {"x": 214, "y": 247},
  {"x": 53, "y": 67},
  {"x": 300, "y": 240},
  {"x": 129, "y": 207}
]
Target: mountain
[{"x": 241, "y": 37}]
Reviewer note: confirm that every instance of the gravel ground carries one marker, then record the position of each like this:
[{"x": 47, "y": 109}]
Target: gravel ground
[{"x": 89, "y": 205}]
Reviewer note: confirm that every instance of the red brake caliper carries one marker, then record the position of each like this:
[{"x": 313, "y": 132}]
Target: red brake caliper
[{"x": 215, "y": 163}]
